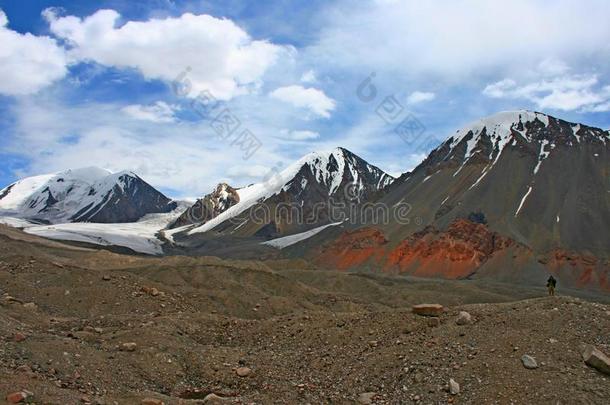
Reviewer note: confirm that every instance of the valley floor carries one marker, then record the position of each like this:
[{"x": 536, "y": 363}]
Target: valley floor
[{"x": 87, "y": 326}]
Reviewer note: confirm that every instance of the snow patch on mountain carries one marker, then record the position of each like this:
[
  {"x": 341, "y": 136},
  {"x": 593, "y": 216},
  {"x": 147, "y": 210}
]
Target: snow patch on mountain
[
  {"x": 13, "y": 196},
  {"x": 499, "y": 127},
  {"x": 281, "y": 243}
]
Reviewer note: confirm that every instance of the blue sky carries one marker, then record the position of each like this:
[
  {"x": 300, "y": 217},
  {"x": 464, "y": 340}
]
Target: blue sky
[{"x": 123, "y": 85}]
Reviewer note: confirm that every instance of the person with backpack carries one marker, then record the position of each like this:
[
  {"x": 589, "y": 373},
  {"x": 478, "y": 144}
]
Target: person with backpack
[{"x": 550, "y": 284}]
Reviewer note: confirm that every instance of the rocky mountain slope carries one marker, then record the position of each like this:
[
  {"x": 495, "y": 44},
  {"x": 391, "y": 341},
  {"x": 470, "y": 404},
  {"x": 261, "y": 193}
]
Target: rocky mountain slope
[
  {"x": 218, "y": 201},
  {"x": 315, "y": 190},
  {"x": 83, "y": 195},
  {"x": 515, "y": 195}
]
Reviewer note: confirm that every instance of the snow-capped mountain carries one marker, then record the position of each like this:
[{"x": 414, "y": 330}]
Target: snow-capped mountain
[
  {"x": 514, "y": 195},
  {"x": 83, "y": 195},
  {"x": 333, "y": 177}
]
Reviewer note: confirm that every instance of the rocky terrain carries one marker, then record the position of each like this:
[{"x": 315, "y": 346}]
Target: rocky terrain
[{"x": 83, "y": 326}]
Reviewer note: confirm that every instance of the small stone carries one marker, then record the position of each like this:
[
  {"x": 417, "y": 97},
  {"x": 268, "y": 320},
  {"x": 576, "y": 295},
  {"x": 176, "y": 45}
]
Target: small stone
[
  {"x": 366, "y": 398},
  {"x": 129, "y": 347},
  {"x": 595, "y": 358},
  {"x": 454, "y": 387},
  {"x": 152, "y": 401},
  {"x": 529, "y": 362},
  {"x": 464, "y": 318},
  {"x": 215, "y": 399},
  {"x": 434, "y": 322},
  {"x": 16, "y": 397},
  {"x": 106, "y": 277},
  {"x": 243, "y": 371},
  {"x": 19, "y": 337},
  {"x": 23, "y": 369},
  {"x": 30, "y": 305},
  {"x": 428, "y": 309}
]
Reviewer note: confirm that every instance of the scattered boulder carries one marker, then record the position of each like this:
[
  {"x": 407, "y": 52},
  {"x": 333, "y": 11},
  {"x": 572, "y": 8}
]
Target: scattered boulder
[
  {"x": 128, "y": 347},
  {"x": 595, "y": 358},
  {"x": 464, "y": 318},
  {"x": 19, "y": 337},
  {"x": 16, "y": 397},
  {"x": 529, "y": 362},
  {"x": 243, "y": 371},
  {"x": 434, "y": 322},
  {"x": 454, "y": 387},
  {"x": 106, "y": 277},
  {"x": 366, "y": 398},
  {"x": 152, "y": 291},
  {"x": 428, "y": 309}
]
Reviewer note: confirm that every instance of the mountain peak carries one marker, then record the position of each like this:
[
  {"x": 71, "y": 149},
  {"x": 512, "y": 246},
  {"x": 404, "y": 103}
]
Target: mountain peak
[
  {"x": 316, "y": 177},
  {"x": 88, "y": 194}
]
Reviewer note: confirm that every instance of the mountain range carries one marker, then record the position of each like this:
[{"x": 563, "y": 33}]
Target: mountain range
[{"x": 514, "y": 197}]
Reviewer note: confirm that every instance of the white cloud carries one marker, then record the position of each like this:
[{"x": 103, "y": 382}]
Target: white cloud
[
  {"x": 160, "y": 112},
  {"x": 565, "y": 92},
  {"x": 187, "y": 157},
  {"x": 456, "y": 39},
  {"x": 309, "y": 77},
  {"x": 248, "y": 171},
  {"x": 219, "y": 55},
  {"x": 310, "y": 98},
  {"x": 420, "y": 96},
  {"x": 28, "y": 63},
  {"x": 302, "y": 135}
]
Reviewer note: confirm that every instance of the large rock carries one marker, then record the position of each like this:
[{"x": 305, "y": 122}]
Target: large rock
[
  {"x": 529, "y": 362},
  {"x": 128, "y": 347},
  {"x": 428, "y": 309},
  {"x": 594, "y": 357},
  {"x": 16, "y": 397},
  {"x": 152, "y": 401},
  {"x": 243, "y": 371},
  {"x": 454, "y": 387},
  {"x": 464, "y": 318},
  {"x": 366, "y": 398}
]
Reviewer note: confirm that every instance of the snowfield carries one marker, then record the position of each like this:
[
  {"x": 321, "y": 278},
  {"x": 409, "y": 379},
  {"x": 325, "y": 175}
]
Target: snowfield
[{"x": 290, "y": 240}]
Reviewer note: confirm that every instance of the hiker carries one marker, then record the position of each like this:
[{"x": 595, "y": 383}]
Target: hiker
[{"x": 550, "y": 284}]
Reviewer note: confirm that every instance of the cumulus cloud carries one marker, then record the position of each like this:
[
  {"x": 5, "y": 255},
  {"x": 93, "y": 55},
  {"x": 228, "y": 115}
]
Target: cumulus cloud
[
  {"x": 565, "y": 92},
  {"x": 160, "y": 112},
  {"x": 309, "y": 98},
  {"x": 28, "y": 63},
  {"x": 219, "y": 55},
  {"x": 420, "y": 97}
]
